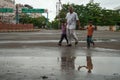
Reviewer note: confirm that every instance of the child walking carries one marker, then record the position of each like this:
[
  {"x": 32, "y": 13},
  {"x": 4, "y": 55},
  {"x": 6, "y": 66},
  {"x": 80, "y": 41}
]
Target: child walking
[
  {"x": 90, "y": 30},
  {"x": 63, "y": 35}
]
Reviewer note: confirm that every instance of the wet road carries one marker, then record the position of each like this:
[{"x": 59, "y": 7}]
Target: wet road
[{"x": 36, "y": 56}]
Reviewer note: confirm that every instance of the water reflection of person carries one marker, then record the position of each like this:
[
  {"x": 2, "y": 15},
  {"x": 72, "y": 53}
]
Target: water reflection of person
[
  {"x": 67, "y": 63},
  {"x": 89, "y": 65},
  {"x": 68, "y": 59}
]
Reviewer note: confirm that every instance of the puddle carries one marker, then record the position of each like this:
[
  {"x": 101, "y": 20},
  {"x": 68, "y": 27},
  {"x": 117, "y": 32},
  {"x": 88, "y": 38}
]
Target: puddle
[
  {"x": 60, "y": 51},
  {"x": 61, "y": 66},
  {"x": 57, "y": 63},
  {"x": 101, "y": 65}
]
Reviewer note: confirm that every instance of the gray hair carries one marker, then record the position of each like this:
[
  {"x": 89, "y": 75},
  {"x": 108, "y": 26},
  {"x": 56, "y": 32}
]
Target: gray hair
[{"x": 71, "y": 7}]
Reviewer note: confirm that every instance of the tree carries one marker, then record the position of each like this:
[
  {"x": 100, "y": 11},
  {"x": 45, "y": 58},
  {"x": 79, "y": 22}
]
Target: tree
[
  {"x": 92, "y": 12},
  {"x": 39, "y": 22},
  {"x": 55, "y": 24}
]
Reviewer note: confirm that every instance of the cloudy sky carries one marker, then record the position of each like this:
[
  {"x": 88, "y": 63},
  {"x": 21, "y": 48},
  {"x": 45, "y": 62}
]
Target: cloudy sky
[{"x": 51, "y": 4}]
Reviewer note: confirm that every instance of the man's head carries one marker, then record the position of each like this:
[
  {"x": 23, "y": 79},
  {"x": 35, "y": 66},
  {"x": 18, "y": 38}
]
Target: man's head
[{"x": 70, "y": 9}]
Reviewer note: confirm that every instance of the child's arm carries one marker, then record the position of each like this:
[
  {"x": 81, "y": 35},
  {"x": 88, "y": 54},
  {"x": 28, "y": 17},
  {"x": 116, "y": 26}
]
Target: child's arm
[
  {"x": 86, "y": 28},
  {"x": 93, "y": 28}
]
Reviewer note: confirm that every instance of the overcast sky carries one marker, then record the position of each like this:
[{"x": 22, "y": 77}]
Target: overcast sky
[{"x": 51, "y": 4}]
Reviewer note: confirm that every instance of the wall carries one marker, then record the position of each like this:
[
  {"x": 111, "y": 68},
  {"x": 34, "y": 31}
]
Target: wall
[
  {"x": 15, "y": 27},
  {"x": 108, "y": 28}
]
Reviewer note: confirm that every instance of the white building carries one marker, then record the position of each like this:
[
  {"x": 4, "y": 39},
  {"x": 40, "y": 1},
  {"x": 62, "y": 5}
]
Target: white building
[{"x": 7, "y": 17}]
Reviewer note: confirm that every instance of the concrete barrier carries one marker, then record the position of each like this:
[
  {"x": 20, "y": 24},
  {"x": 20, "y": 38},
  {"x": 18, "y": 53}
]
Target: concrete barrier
[{"x": 107, "y": 28}]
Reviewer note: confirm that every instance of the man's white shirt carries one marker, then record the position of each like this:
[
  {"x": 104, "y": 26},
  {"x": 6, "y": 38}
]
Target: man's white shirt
[{"x": 71, "y": 20}]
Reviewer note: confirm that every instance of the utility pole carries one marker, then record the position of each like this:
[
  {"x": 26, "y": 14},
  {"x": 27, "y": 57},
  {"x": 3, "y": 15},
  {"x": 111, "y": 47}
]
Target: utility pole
[
  {"x": 58, "y": 8},
  {"x": 47, "y": 17},
  {"x": 17, "y": 14}
]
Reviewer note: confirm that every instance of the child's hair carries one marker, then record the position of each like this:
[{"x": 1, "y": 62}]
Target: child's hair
[{"x": 90, "y": 24}]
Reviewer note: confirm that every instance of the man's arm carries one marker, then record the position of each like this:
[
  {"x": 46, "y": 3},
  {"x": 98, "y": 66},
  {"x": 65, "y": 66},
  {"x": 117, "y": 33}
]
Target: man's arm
[{"x": 78, "y": 22}]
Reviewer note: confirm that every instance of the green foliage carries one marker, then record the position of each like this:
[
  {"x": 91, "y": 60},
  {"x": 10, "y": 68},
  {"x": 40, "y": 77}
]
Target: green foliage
[
  {"x": 92, "y": 12},
  {"x": 55, "y": 24},
  {"x": 49, "y": 25},
  {"x": 39, "y": 22}
]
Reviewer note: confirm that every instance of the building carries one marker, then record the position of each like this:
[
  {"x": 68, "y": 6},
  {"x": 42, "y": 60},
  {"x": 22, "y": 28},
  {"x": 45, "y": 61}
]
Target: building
[
  {"x": 7, "y": 17},
  {"x": 35, "y": 15}
]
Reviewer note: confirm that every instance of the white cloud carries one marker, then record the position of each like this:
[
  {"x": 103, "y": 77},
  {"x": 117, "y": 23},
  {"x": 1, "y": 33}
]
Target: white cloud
[{"x": 109, "y": 4}]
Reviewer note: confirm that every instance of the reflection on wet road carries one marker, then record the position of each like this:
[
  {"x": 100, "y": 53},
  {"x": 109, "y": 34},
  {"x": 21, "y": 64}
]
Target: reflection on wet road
[
  {"x": 89, "y": 65},
  {"x": 60, "y": 63},
  {"x": 59, "y": 51}
]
